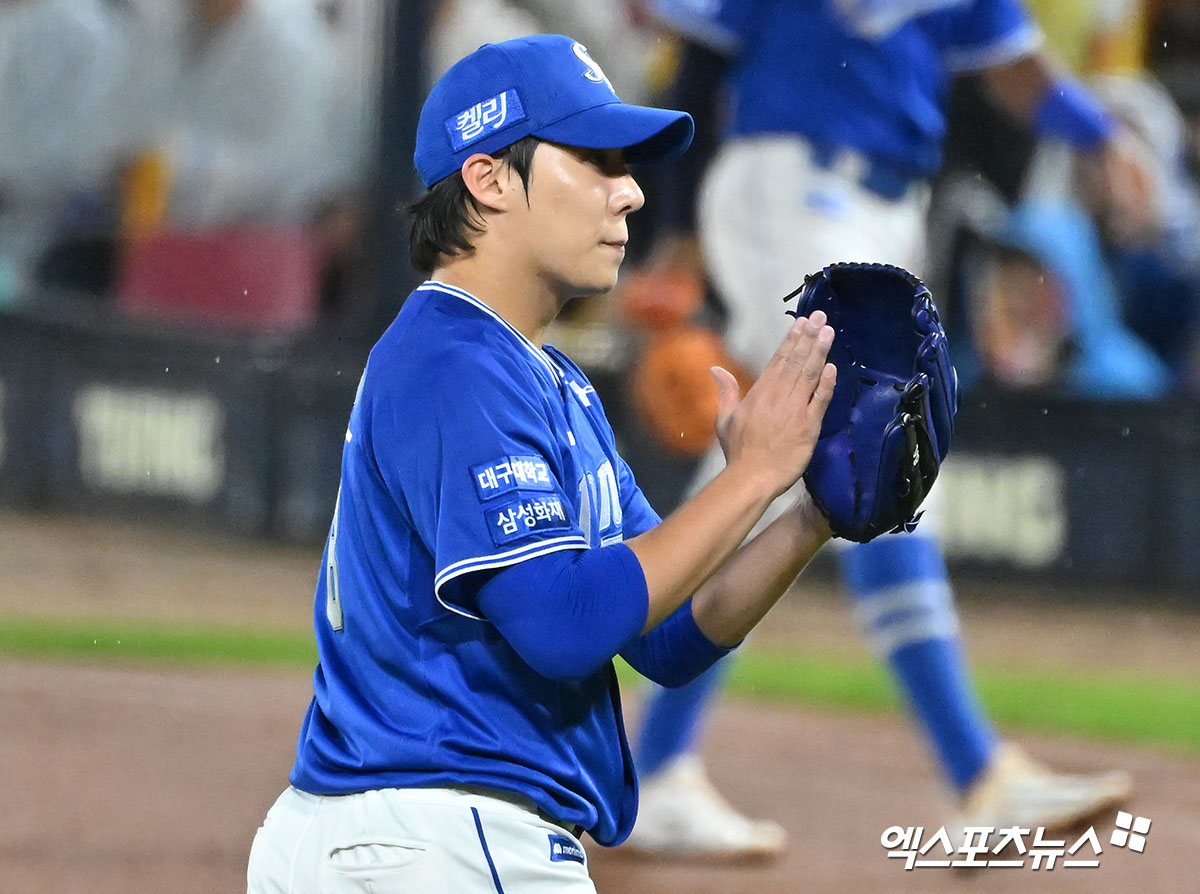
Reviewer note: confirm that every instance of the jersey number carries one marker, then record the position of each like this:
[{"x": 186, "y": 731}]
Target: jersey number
[{"x": 601, "y": 488}]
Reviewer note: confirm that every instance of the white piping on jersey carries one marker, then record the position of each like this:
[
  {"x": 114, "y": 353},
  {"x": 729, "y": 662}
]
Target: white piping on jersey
[
  {"x": 1008, "y": 49},
  {"x": 875, "y": 20},
  {"x": 538, "y": 353},
  {"x": 499, "y": 560}
]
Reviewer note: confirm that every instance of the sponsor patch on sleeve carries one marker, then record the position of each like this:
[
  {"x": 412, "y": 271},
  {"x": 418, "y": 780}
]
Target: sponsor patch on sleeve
[
  {"x": 528, "y": 514},
  {"x": 563, "y": 848},
  {"x": 511, "y": 473}
]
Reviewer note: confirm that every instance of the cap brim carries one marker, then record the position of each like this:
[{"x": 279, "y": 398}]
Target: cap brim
[{"x": 646, "y": 134}]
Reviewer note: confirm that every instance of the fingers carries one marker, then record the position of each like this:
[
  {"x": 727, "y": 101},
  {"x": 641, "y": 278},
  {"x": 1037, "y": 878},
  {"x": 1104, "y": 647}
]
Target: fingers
[
  {"x": 777, "y": 424},
  {"x": 823, "y": 393},
  {"x": 730, "y": 393},
  {"x": 813, "y": 365},
  {"x": 797, "y": 345},
  {"x": 795, "y": 336},
  {"x": 800, "y": 363}
]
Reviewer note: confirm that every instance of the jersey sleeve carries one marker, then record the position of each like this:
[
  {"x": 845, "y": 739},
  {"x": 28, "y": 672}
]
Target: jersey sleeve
[
  {"x": 986, "y": 33},
  {"x": 721, "y": 25},
  {"x": 475, "y": 461},
  {"x": 639, "y": 515}
]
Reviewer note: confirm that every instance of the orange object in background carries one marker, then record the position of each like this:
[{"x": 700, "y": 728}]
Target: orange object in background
[
  {"x": 673, "y": 392},
  {"x": 659, "y": 300}
]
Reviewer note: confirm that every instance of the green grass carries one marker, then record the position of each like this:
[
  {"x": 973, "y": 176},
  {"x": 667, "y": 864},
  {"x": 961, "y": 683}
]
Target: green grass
[
  {"x": 110, "y": 641},
  {"x": 1162, "y": 711},
  {"x": 1142, "y": 709}
]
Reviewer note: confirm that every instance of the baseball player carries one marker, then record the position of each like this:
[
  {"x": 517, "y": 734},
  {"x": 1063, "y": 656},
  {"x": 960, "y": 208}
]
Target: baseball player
[
  {"x": 490, "y": 552},
  {"x": 58, "y": 65},
  {"x": 834, "y": 121}
]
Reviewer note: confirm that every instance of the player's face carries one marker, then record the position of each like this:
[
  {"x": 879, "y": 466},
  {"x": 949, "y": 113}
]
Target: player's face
[{"x": 575, "y": 229}]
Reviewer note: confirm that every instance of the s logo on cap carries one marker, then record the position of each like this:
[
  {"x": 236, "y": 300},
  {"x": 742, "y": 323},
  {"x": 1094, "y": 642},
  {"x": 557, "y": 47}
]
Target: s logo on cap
[{"x": 593, "y": 72}]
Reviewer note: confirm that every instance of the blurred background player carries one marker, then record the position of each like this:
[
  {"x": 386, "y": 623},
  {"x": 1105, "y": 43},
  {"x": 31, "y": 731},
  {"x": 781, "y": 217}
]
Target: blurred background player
[
  {"x": 830, "y": 126},
  {"x": 1121, "y": 277},
  {"x": 460, "y": 26},
  {"x": 58, "y": 68},
  {"x": 240, "y": 119},
  {"x": 199, "y": 118}
]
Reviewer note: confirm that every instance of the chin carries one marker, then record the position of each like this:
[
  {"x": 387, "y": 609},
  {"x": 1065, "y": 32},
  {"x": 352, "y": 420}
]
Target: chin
[{"x": 594, "y": 286}]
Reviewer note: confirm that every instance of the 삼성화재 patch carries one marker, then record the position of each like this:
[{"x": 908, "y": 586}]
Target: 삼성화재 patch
[{"x": 528, "y": 514}]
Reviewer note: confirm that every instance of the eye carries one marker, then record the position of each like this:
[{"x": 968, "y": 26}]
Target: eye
[{"x": 610, "y": 162}]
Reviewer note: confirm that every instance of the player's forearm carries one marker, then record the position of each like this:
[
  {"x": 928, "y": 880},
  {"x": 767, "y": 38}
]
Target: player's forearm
[
  {"x": 740, "y": 594},
  {"x": 680, "y": 554},
  {"x": 1040, "y": 93}
]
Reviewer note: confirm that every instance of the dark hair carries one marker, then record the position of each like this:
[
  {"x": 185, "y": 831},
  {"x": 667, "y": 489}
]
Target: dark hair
[{"x": 445, "y": 217}]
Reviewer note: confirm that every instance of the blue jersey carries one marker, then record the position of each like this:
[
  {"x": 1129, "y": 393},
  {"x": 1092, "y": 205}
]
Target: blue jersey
[
  {"x": 869, "y": 75},
  {"x": 468, "y": 448}
]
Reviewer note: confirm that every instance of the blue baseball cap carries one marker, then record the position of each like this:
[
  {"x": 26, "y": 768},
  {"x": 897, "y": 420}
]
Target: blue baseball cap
[{"x": 545, "y": 86}]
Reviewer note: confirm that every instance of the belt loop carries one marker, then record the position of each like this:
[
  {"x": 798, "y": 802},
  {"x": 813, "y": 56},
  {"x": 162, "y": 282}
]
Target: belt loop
[
  {"x": 823, "y": 155},
  {"x": 885, "y": 182}
]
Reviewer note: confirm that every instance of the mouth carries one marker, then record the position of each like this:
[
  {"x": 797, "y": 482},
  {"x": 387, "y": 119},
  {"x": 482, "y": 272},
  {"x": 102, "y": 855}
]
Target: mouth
[{"x": 618, "y": 244}]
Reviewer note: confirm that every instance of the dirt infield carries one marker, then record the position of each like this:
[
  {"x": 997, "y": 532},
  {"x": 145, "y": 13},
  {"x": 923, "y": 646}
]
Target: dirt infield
[{"x": 136, "y": 779}]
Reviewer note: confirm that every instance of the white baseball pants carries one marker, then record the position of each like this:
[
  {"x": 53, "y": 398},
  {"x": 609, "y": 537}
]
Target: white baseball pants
[
  {"x": 413, "y": 841},
  {"x": 769, "y": 215}
]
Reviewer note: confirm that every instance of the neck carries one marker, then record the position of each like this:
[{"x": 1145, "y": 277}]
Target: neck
[{"x": 527, "y": 302}]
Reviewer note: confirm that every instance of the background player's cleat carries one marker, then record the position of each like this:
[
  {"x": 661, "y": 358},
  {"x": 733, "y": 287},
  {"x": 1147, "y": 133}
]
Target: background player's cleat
[
  {"x": 680, "y": 814},
  {"x": 1015, "y": 790}
]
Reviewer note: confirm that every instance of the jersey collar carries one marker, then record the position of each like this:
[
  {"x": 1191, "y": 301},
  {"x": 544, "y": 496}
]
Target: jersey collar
[{"x": 537, "y": 353}]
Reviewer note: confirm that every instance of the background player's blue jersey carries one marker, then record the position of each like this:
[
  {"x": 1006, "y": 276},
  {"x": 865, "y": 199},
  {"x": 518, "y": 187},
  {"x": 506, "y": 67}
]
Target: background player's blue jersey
[
  {"x": 870, "y": 75},
  {"x": 468, "y": 448}
]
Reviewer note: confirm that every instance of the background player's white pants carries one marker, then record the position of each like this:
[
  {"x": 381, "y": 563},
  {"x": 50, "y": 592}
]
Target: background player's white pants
[
  {"x": 412, "y": 841},
  {"x": 769, "y": 216}
]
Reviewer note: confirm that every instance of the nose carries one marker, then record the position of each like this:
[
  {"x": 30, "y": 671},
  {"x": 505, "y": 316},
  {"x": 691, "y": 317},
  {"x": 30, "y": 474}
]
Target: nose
[{"x": 627, "y": 196}]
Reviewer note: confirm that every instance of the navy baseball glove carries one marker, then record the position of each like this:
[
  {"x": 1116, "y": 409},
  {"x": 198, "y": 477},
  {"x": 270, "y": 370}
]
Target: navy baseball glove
[{"x": 889, "y": 424}]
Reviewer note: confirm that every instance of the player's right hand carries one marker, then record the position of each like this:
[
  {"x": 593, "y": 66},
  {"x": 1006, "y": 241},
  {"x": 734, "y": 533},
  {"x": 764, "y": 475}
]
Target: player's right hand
[{"x": 769, "y": 435}]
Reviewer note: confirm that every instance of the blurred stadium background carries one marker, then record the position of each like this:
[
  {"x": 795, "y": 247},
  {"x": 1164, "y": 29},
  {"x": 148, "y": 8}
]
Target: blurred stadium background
[{"x": 199, "y": 242}]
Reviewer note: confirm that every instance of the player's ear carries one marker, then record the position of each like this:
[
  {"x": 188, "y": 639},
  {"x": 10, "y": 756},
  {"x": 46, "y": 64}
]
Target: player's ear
[{"x": 488, "y": 181}]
